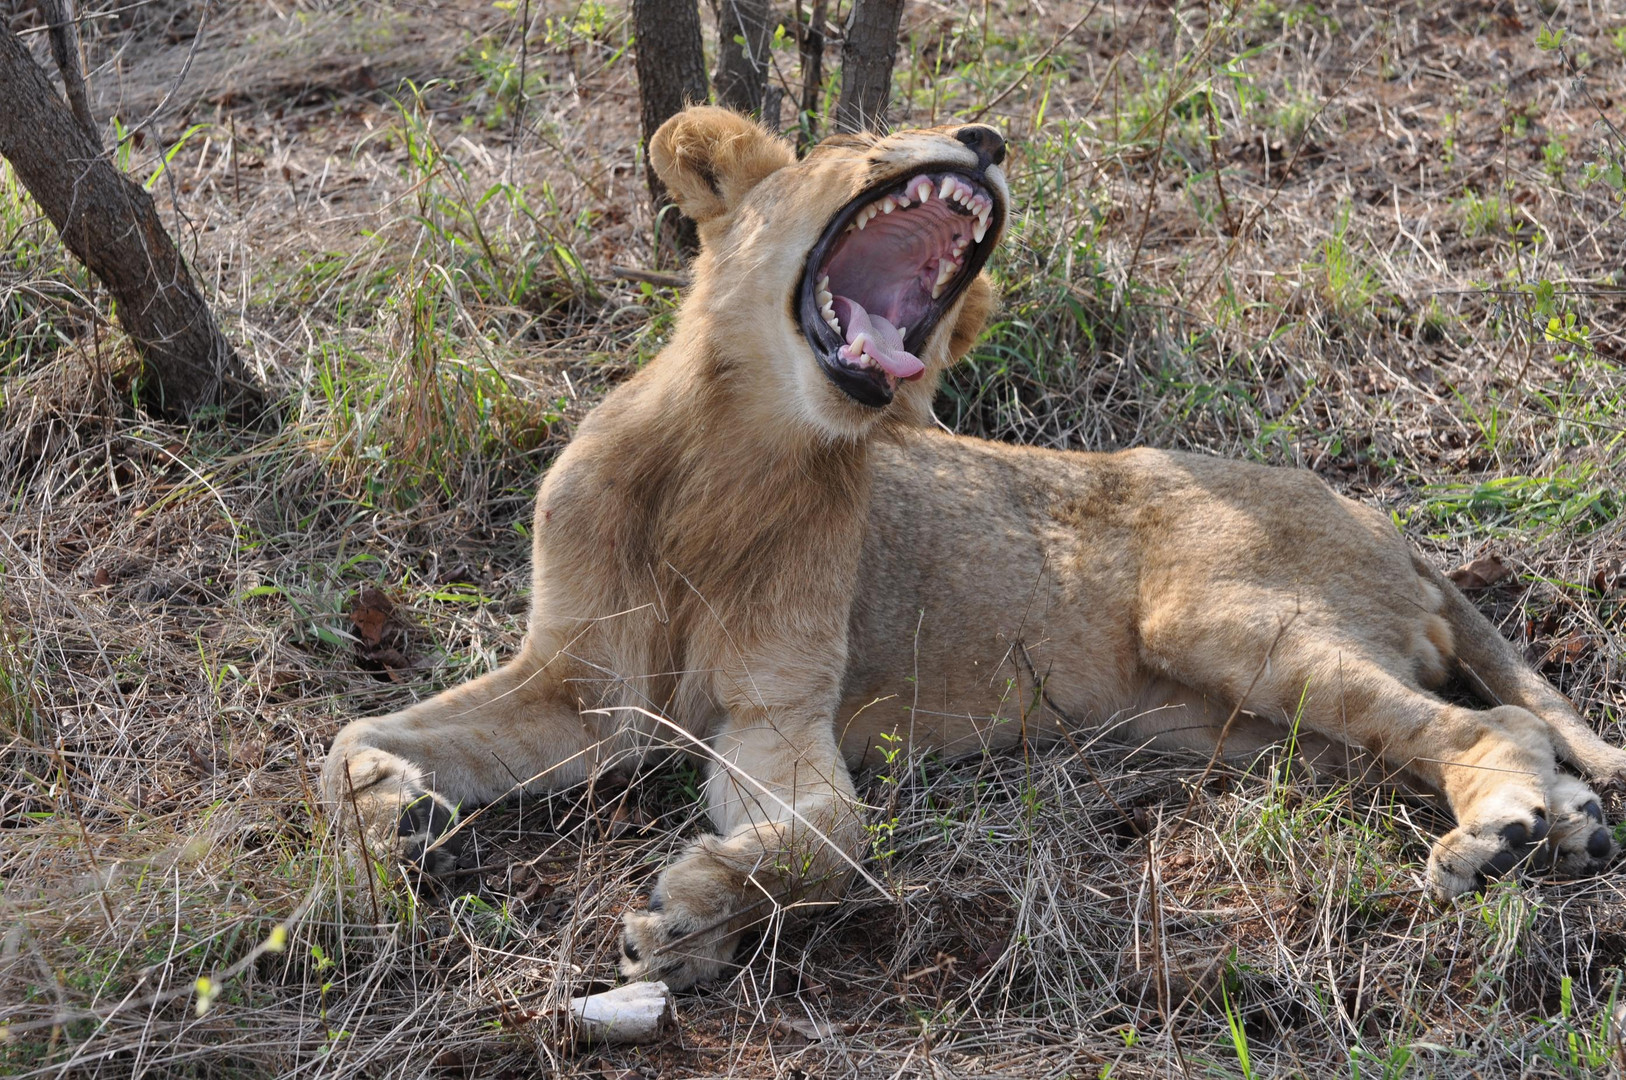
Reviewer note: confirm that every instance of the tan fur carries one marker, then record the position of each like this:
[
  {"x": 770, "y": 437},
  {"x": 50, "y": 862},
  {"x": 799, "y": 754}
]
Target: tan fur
[{"x": 734, "y": 558}]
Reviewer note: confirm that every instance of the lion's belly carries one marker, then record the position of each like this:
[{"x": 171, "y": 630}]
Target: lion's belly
[{"x": 991, "y": 601}]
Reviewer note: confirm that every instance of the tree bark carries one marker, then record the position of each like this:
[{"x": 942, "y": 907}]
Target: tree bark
[
  {"x": 671, "y": 75},
  {"x": 742, "y": 67},
  {"x": 110, "y": 223},
  {"x": 810, "y": 46},
  {"x": 63, "y": 30},
  {"x": 866, "y": 64}
]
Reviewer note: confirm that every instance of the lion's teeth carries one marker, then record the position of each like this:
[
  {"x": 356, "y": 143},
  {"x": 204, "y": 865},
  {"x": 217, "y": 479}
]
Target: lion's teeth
[
  {"x": 887, "y": 205},
  {"x": 949, "y": 184},
  {"x": 825, "y": 298},
  {"x": 922, "y": 188},
  {"x": 824, "y": 283},
  {"x": 980, "y": 229}
]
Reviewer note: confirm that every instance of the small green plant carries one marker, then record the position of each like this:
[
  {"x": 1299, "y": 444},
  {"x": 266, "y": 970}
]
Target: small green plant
[
  {"x": 1578, "y": 1048},
  {"x": 1483, "y": 215},
  {"x": 1347, "y": 281}
]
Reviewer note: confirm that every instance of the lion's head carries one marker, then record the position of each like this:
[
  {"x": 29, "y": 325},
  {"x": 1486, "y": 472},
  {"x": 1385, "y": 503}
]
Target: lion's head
[{"x": 852, "y": 276}]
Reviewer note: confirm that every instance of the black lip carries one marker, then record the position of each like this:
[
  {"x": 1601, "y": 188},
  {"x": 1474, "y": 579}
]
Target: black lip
[{"x": 869, "y": 387}]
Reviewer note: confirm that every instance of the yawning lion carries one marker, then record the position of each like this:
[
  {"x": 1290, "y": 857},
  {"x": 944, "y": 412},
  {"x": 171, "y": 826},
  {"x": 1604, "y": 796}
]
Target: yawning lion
[{"x": 758, "y": 549}]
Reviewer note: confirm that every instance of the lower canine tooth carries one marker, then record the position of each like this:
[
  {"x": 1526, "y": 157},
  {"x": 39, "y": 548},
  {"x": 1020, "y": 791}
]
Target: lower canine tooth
[{"x": 979, "y": 230}]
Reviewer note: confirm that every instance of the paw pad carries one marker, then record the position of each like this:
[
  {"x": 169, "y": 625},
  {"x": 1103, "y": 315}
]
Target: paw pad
[{"x": 424, "y": 821}]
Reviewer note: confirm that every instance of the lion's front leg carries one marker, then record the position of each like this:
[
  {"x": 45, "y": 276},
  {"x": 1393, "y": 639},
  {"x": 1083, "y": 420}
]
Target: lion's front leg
[
  {"x": 789, "y": 829},
  {"x": 397, "y": 783}
]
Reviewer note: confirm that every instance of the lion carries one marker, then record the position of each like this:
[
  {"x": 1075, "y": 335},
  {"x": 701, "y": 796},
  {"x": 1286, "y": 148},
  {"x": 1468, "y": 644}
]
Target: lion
[{"x": 760, "y": 550}]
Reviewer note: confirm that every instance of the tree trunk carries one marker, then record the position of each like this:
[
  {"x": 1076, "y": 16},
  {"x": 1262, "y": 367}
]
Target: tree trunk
[
  {"x": 671, "y": 75},
  {"x": 811, "y": 48},
  {"x": 110, "y": 223},
  {"x": 866, "y": 64},
  {"x": 742, "y": 66},
  {"x": 63, "y": 29}
]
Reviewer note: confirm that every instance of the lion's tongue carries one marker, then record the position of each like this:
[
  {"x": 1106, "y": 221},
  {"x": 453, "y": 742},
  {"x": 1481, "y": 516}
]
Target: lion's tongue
[{"x": 873, "y": 336}]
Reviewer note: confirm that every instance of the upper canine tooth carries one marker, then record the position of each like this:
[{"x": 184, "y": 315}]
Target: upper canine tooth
[
  {"x": 947, "y": 189},
  {"x": 922, "y": 188},
  {"x": 980, "y": 229}
]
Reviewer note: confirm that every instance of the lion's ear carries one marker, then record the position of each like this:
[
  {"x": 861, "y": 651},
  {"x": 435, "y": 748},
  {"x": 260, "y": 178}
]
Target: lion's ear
[
  {"x": 978, "y": 304},
  {"x": 708, "y": 158}
]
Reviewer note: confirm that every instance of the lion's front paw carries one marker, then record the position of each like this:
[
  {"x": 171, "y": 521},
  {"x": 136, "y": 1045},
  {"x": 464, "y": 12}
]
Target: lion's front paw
[
  {"x": 421, "y": 835},
  {"x": 385, "y": 802},
  {"x": 690, "y": 930}
]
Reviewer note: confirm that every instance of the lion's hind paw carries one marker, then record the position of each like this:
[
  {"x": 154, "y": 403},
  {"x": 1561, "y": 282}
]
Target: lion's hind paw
[
  {"x": 1581, "y": 843},
  {"x": 1570, "y": 841}
]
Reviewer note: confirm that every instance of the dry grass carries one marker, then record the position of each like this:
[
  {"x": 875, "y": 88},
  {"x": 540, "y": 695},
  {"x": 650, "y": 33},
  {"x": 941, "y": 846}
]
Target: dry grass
[{"x": 1305, "y": 234}]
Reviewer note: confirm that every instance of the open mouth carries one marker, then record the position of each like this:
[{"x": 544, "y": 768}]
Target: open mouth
[{"x": 884, "y": 272}]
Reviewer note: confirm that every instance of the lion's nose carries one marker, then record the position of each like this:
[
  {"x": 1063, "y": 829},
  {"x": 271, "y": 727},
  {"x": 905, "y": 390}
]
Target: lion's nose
[{"x": 987, "y": 142}]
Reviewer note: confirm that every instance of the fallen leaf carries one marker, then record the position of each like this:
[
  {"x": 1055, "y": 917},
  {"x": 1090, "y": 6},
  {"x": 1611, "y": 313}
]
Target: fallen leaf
[
  {"x": 381, "y": 640},
  {"x": 370, "y": 615},
  {"x": 1567, "y": 650},
  {"x": 1482, "y": 573}
]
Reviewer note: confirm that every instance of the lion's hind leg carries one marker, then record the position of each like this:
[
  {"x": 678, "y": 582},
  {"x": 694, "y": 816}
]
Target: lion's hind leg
[
  {"x": 1493, "y": 669},
  {"x": 1497, "y": 769}
]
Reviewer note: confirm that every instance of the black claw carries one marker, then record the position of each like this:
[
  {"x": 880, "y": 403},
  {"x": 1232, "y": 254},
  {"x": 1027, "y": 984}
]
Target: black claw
[
  {"x": 1516, "y": 836},
  {"x": 1501, "y": 863},
  {"x": 1598, "y": 844},
  {"x": 1593, "y": 811},
  {"x": 630, "y": 949},
  {"x": 425, "y": 815},
  {"x": 424, "y": 822},
  {"x": 1539, "y": 832}
]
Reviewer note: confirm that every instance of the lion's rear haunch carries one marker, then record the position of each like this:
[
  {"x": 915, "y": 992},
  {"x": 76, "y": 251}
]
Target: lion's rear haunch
[{"x": 758, "y": 550}]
